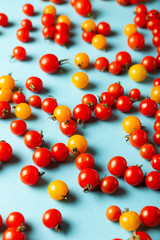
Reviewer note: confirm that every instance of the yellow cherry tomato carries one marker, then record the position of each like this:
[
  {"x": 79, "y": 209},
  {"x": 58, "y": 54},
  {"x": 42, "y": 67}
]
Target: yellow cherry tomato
[
  {"x": 155, "y": 94},
  {"x": 131, "y": 123},
  {"x": 89, "y": 25},
  {"x": 22, "y": 111},
  {"x": 130, "y": 220},
  {"x": 7, "y": 81},
  {"x": 99, "y": 41},
  {"x": 61, "y": 113},
  {"x": 58, "y": 190},
  {"x": 137, "y": 72},
  {"x": 81, "y": 60},
  {"x": 130, "y": 29},
  {"x": 50, "y": 9},
  {"x": 64, "y": 19},
  {"x": 5, "y": 94},
  {"x": 77, "y": 144},
  {"x": 80, "y": 80}
]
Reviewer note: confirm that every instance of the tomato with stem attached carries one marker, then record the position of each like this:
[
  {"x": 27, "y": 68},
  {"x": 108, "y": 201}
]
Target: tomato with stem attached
[
  {"x": 5, "y": 151},
  {"x": 15, "y": 219},
  {"x": 52, "y": 219},
  {"x": 18, "y": 127},
  {"x": 18, "y": 97},
  {"x": 136, "y": 41},
  {"x": 58, "y": 190},
  {"x": 68, "y": 127},
  {"x": 131, "y": 123},
  {"x": 23, "y": 34},
  {"x": 155, "y": 162},
  {"x": 88, "y": 179},
  {"x": 153, "y": 180},
  {"x": 5, "y": 109},
  {"x": 140, "y": 235},
  {"x": 22, "y": 111},
  {"x": 106, "y": 98},
  {"x": 84, "y": 160},
  {"x": 102, "y": 64},
  {"x": 109, "y": 185},
  {"x": 29, "y": 175},
  {"x": 48, "y": 32},
  {"x": 61, "y": 113},
  {"x": 130, "y": 220},
  {"x": 19, "y": 53},
  {"x": 42, "y": 157},
  {"x": 113, "y": 213},
  {"x": 116, "y": 89},
  {"x": 124, "y": 59},
  {"x": 117, "y": 166},
  {"x": 35, "y": 101},
  {"x": 102, "y": 111},
  {"x": 140, "y": 20},
  {"x": 83, "y": 7},
  {"x": 49, "y": 104},
  {"x": 77, "y": 144},
  {"x": 137, "y": 138},
  {"x": 61, "y": 38},
  {"x": 89, "y": 25},
  {"x": 153, "y": 14},
  {"x": 60, "y": 152},
  {"x": 150, "y": 216},
  {"x": 133, "y": 175},
  {"x": 90, "y": 100},
  {"x": 81, "y": 60},
  {"x": 34, "y": 84},
  {"x": 33, "y": 139},
  {"x": 28, "y": 9},
  {"x": 152, "y": 23},
  {"x": 82, "y": 113}
]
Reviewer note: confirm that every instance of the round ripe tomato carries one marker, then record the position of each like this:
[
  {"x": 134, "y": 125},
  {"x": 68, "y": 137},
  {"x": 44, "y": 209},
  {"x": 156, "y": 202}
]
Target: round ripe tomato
[
  {"x": 5, "y": 109},
  {"x": 28, "y": 9},
  {"x": 124, "y": 104},
  {"x": 61, "y": 27},
  {"x": 116, "y": 90},
  {"x": 64, "y": 19},
  {"x": 18, "y": 97},
  {"x": 49, "y": 63},
  {"x": 156, "y": 82},
  {"x": 107, "y": 98},
  {"x": 34, "y": 84},
  {"x": 84, "y": 160},
  {"x": 29, "y": 175},
  {"x": 131, "y": 123},
  {"x": 150, "y": 216},
  {"x": 48, "y": 32},
  {"x": 88, "y": 36},
  {"x": 90, "y": 100},
  {"x": 157, "y": 125},
  {"x": 34, "y": 101},
  {"x": 42, "y": 157},
  {"x": 48, "y": 19},
  {"x": 101, "y": 64},
  {"x": 130, "y": 220},
  {"x": 22, "y": 111},
  {"x": 133, "y": 175},
  {"x": 137, "y": 72},
  {"x": 103, "y": 28},
  {"x": 136, "y": 41},
  {"x": 99, "y": 41},
  {"x": 140, "y": 20},
  {"x": 3, "y": 20},
  {"x": 60, "y": 152},
  {"x": 61, "y": 113},
  {"x": 157, "y": 114},
  {"x": 5, "y": 151},
  {"x": 114, "y": 68},
  {"x": 82, "y": 113},
  {"x": 153, "y": 14},
  {"x": 68, "y": 127},
  {"x": 89, "y": 25},
  {"x": 58, "y": 190},
  {"x": 1, "y": 221},
  {"x": 61, "y": 38},
  {"x": 134, "y": 94},
  {"x": 117, "y": 166},
  {"x": 15, "y": 219},
  {"x": 88, "y": 179},
  {"x": 7, "y": 81},
  {"x": 13, "y": 233},
  {"x": 102, "y": 111},
  {"x": 155, "y": 94},
  {"x": 156, "y": 138},
  {"x": 50, "y": 9},
  {"x": 149, "y": 63},
  {"x": 113, "y": 213},
  {"x": 156, "y": 30},
  {"x": 141, "y": 8},
  {"x": 19, "y": 53},
  {"x": 124, "y": 59},
  {"x": 5, "y": 94},
  {"x": 23, "y": 34},
  {"x": 158, "y": 60},
  {"x": 141, "y": 235},
  {"x": 77, "y": 144},
  {"x": 130, "y": 29},
  {"x": 156, "y": 40},
  {"x": 81, "y": 60},
  {"x": 148, "y": 107},
  {"x": 109, "y": 185},
  {"x": 18, "y": 127},
  {"x": 52, "y": 218},
  {"x": 152, "y": 23},
  {"x": 138, "y": 138},
  {"x": 72, "y": 2},
  {"x": 153, "y": 180},
  {"x": 80, "y": 80},
  {"x": 155, "y": 162},
  {"x": 49, "y": 104},
  {"x": 33, "y": 139},
  {"x": 122, "y": 3},
  {"x": 147, "y": 151},
  {"x": 83, "y": 7},
  {"x": 26, "y": 23}
]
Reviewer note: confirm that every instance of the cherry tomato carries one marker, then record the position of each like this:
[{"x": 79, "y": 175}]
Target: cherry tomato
[
  {"x": 15, "y": 219},
  {"x": 3, "y": 20},
  {"x": 60, "y": 152},
  {"x": 61, "y": 113},
  {"x": 153, "y": 180},
  {"x": 156, "y": 82},
  {"x": 80, "y": 80},
  {"x": 50, "y": 9},
  {"x": 82, "y": 113},
  {"x": 136, "y": 41},
  {"x": 116, "y": 90},
  {"x": 153, "y": 14},
  {"x": 142, "y": 235},
  {"x": 106, "y": 98},
  {"x": 140, "y": 20},
  {"x": 149, "y": 63},
  {"x": 18, "y": 127},
  {"x": 77, "y": 144},
  {"x": 155, "y": 94},
  {"x": 147, "y": 151},
  {"x": 99, "y": 41},
  {"x": 22, "y": 111},
  {"x": 64, "y": 19},
  {"x": 42, "y": 157},
  {"x": 101, "y": 64},
  {"x": 150, "y": 216},
  {"x": 156, "y": 138},
  {"x": 48, "y": 19},
  {"x": 89, "y": 25},
  {"x": 130, "y": 29},
  {"x": 28, "y": 9},
  {"x": 35, "y": 101},
  {"x": 61, "y": 38},
  {"x": 148, "y": 107},
  {"x": 103, "y": 28},
  {"x": 156, "y": 40},
  {"x": 58, "y": 190},
  {"x": 13, "y": 233},
  {"x": 5, "y": 109},
  {"x": 131, "y": 123},
  {"x": 137, "y": 72},
  {"x": 114, "y": 68},
  {"x": 52, "y": 218},
  {"x": 7, "y": 81},
  {"x": 156, "y": 125},
  {"x": 18, "y": 97},
  {"x": 48, "y": 32},
  {"x": 88, "y": 36},
  {"x": 34, "y": 84},
  {"x": 83, "y": 7},
  {"x": 5, "y": 94},
  {"x": 155, "y": 162},
  {"x": 141, "y": 8},
  {"x": 84, "y": 160},
  {"x": 138, "y": 138},
  {"x": 49, "y": 104},
  {"x": 133, "y": 175},
  {"x": 124, "y": 104},
  {"x": 156, "y": 30},
  {"x": 124, "y": 59},
  {"x": 102, "y": 111},
  {"x": 49, "y": 63},
  {"x": 29, "y": 175},
  {"x": 60, "y": 27},
  {"x": 134, "y": 94},
  {"x": 117, "y": 166},
  {"x": 33, "y": 139},
  {"x": 130, "y": 220},
  {"x": 152, "y": 23},
  {"x": 90, "y": 100},
  {"x": 72, "y": 2},
  {"x": 68, "y": 127},
  {"x": 5, "y": 151},
  {"x": 158, "y": 60},
  {"x": 81, "y": 60},
  {"x": 113, "y": 213},
  {"x": 26, "y": 23},
  {"x": 19, "y": 53},
  {"x": 157, "y": 114},
  {"x": 88, "y": 179},
  {"x": 23, "y": 34},
  {"x": 109, "y": 185}
]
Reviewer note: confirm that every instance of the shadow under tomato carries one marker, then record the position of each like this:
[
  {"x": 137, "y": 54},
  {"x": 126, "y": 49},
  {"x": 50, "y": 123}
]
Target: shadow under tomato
[
  {"x": 98, "y": 168},
  {"x": 70, "y": 159},
  {"x": 10, "y": 24},
  {"x": 90, "y": 86},
  {"x": 32, "y": 117},
  {"x": 34, "y": 29},
  {"x": 31, "y": 39},
  {"x": 45, "y": 90},
  {"x": 65, "y": 226},
  {"x": 112, "y": 34},
  {"x": 27, "y": 59},
  {"x": 52, "y": 165},
  {"x": 3, "y": 228},
  {"x": 71, "y": 198},
  {"x": 28, "y": 228},
  {"x": 35, "y": 14},
  {"x": 41, "y": 182},
  {"x": 120, "y": 192},
  {"x": 14, "y": 159}
]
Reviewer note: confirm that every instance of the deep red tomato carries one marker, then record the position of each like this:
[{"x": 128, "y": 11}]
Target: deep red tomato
[
  {"x": 28, "y": 9},
  {"x": 136, "y": 41},
  {"x": 148, "y": 107},
  {"x": 156, "y": 82},
  {"x": 5, "y": 109},
  {"x": 26, "y": 23},
  {"x": 117, "y": 166},
  {"x": 138, "y": 138},
  {"x": 155, "y": 162},
  {"x": 109, "y": 185},
  {"x": 29, "y": 175},
  {"x": 90, "y": 100},
  {"x": 60, "y": 152},
  {"x": 150, "y": 216},
  {"x": 142, "y": 235},
  {"x": 140, "y": 20},
  {"x": 147, "y": 151},
  {"x": 48, "y": 19},
  {"x": 19, "y": 53},
  {"x": 124, "y": 104},
  {"x": 107, "y": 98},
  {"x": 61, "y": 38},
  {"x": 150, "y": 63},
  {"x": 72, "y": 2},
  {"x": 52, "y": 218},
  {"x": 141, "y": 8},
  {"x": 153, "y": 180},
  {"x": 133, "y": 175},
  {"x": 158, "y": 60},
  {"x": 83, "y": 7},
  {"x": 42, "y": 157},
  {"x": 157, "y": 114},
  {"x": 61, "y": 27},
  {"x": 134, "y": 94},
  {"x": 152, "y": 23},
  {"x": 88, "y": 179},
  {"x": 84, "y": 160},
  {"x": 33, "y": 139},
  {"x": 88, "y": 36},
  {"x": 156, "y": 40},
  {"x": 34, "y": 84},
  {"x": 82, "y": 113},
  {"x": 18, "y": 127},
  {"x": 113, "y": 213},
  {"x": 3, "y": 20},
  {"x": 103, "y": 28},
  {"x": 153, "y": 14},
  {"x": 48, "y": 32},
  {"x": 124, "y": 58},
  {"x": 156, "y": 138},
  {"x": 18, "y": 97},
  {"x": 156, "y": 125},
  {"x": 15, "y": 219},
  {"x": 49, "y": 104},
  {"x": 68, "y": 127},
  {"x": 156, "y": 30},
  {"x": 102, "y": 111},
  {"x": 123, "y": 2},
  {"x": 34, "y": 101},
  {"x": 13, "y": 234},
  {"x": 23, "y": 34},
  {"x": 101, "y": 64},
  {"x": 114, "y": 68},
  {"x": 49, "y": 63},
  {"x": 5, "y": 151},
  {"x": 116, "y": 89}
]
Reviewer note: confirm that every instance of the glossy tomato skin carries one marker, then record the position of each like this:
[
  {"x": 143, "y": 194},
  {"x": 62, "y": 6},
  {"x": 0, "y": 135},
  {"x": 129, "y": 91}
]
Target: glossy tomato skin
[
  {"x": 33, "y": 139},
  {"x": 155, "y": 162},
  {"x": 68, "y": 127},
  {"x": 42, "y": 157},
  {"x": 48, "y": 32},
  {"x": 134, "y": 94},
  {"x": 138, "y": 138},
  {"x": 90, "y": 100},
  {"x": 113, "y": 213},
  {"x": 116, "y": 90},
  {"x": 117, "y": 166},
  {"x": 88, "y": 36},
  {"x": 61, "y": 38},
  {"x": 140, "y": 20},
  {"x": 114, "y": 68},
  {"x": 18, "y": 127},
  {"x": 153, "y": 180},
  {"x": 34, "y": 84},
  {"x": 26, "y": 23},
  {"x": 122, "y": 3},
  {"x": 156, "y": 138},
  {"x": 29, "y": 175},
  {"x": 49, "y": 63},
  {"x": 106, "y": 98},
  {"x": 13, "y": 234},
  {"x": 143, "y": 235},
  {"x": 150, "y": 63},
  {"x": 153, "y": 14},
  {"x": 109, "y": 185},
  {"x": 52, "y": 219},
  {"x": 88, "y": 179},
  {"x": 84, "y": 160},
  {"x": 156, "y": 40},
  {"x": 152, "y": 23},
  {"x": 148, "y": 107},
  {"x": 1, "y": 221},
  {"x": 15, "y": 219},
  {"x": 34, "y": 101},
  {"x": 130, "y": 220},
  {"x": 103, "y": 28},
  {"x": 156, "y": 30},
  {"x": 156, "y": 82},
  {"x": 133, "y": 175},
  {"x": 49, "y": 104},
  {"x": 124, "y": 58},
  {"x": 23, "y": 34},
  {"x": 157, "y": 114},
  {"x": 141, "y": 8},
  {"x": 83, "y": 7},
  {"x": 156, "y": 125},
  {"x": 147, "y": 151},
  {"x": 136, "y": 41},
  {"x": 101, "y": 64},
  {"x": 5, "y": 151},
  {"x": 59, "y": 27},
  {"x": 47, "y": 19},
  {"x": 18, "y": 97},
  {"x": 3, "y": 20},
  {"x": 82, "y": 113},
  {"x": 19, "y": 53},
  {"x": 5, "y": 109},
  {"x": 102, "y": 111},
  {"x": 60, "y": 152},
  {"x": 150, "y": 216},
  {"x": 124, "y": 104},
  {"x": 28, "y": 9}
]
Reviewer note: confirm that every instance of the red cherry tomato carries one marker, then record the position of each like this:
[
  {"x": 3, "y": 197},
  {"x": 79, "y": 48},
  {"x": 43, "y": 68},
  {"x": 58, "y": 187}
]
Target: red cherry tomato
[
  {"x": 117, "y": 166},
  {"x": 133, "y": 175},
  {"x": 102, "y": 111},
  {"x": 153, "y": 180},
  {"x": 156, "y": 82},
  {"x": 72, "y": 2},
  {"x": 60, "y": 152},
  {"x": 156, "y": 30},
  {"x": 143, "y": 235},
  {"x": 88, "y": 36},
  {"x": 124, "y": 59},
  {"x": 149, "y": 63},
  {"x": 61, "y": 38},
  {"x": 29, "y": 175},
  {"x": 18, "y": 97},
  {"x": 47, "y": 19},
  {"x": 83, "y": 7},
  {"x": 33, "y": 139},
  {"x": 26, "y": 23},
  {"x": 124, "y": 104},
  {"x": 156, "y": 40},
  {"x": 103, "y": 28},
  {"x": 28, "y": 9},
  {"x": 34, "y": 101},
  {"x": 61, "y": 27},
  {"x": 3, "y": 20},
  {"x": 5, "y": 151},
  {"x": 157, "y": 125},
  {"x": 153, "y": 14},
  {"x": 48, "y": 32},
  {"x": 136, "y": 41},
  {"x": 90, "y": 100},
  {"x": 156, "y": 138},
  {"x": 84, "y": 160},
  {"x": 34, "y": 84},
  {"x": 68, "y": 127},
  {"x": 113, "y": 213},
  {"x": 49, "y": 104},
  {"x": 42, "y": 157},
  {"x": 155, "y": 162},
  {"x": 101, "y": 64},
  {"x": 109, "y": 185},
  {"x": 18, "y": 127},
  {"x": 19, "y": 53},
  {"x": 138, "y": 138},
  {"x": 152, "y": 23},
  {"x": 107, "y": 98},
  {"x": 158, "y": 60},
  {"x": 116, "y": 90},
  {"x": 140, "y": 20},
  {"x": 52, "y": 218},
  {"x": 13, "y": 234},
  {"x": 134, "y": 94},
  {"x": 15, "y": 219},
  {"x": 141, "y": 8},
  {"x": 5, "y": 109},
  {"x": 148, "y": 107},
  {"x": 49, "y": 63},
  {"x": 88, "y": 179},
  {"x": 23, "y": 34},
  {"x": 150, "y": 216},
  {"x": 147, "y": 151},
  {"x": 114, "y": 68},
  {"x": 157, "y": 114},
  {"x": 82, "y": 113}
]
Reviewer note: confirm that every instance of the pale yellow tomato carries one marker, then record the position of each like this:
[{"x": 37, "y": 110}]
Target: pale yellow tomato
[
  {"x": 64, "y": 19},
  {"x": 7, "y": 81},
  {"x": 80, "y": 80},
  {"x": 99, "y": 41},
  {"x": 130, "y": 29},
  {"x": 22, "y": 111},
  {"x": 77, "y": 144},
  {"x": 137, "y": 72},
  {"x": 89, "y": 25},
  {"x": 58, "y": 190},
  {"x": 50, "y": 9},
  {"x": 130, "y": 220},
  {"x": 155, "y": 94},
  {"x": 81, "y": 60},
  {"x": 5, "y": 94},
  {"x": 131, "y": 123}
]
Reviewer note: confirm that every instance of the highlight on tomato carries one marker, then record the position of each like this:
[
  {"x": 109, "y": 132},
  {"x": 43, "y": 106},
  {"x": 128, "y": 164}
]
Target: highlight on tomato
[
  {"x": 5, "y": 109},
  {"x": 29, "y": 175},
  {"x": 6, "y": 151},
  {"x": 88, "y": 179},
  {"x": 52, "y": 219}
]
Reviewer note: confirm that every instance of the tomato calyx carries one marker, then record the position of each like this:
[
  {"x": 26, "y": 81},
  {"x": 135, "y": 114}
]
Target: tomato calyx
[
  {"x": 105, "y": 105},
  {"x": 87, "y": 188},
  {"x": 52, "y": 117},
  {"x": 140, "y": 166},
  {"x": 4, "y": 112},
  {"x": 63, "y": 61},
  {"x": 80, "y": 122},
  {"x": 40, "y": 174},
  {"x": 65, "y": 197},
  {"x": 2, "y": 141},
  {"x": 126, "y": 210},
  {"x": 21, "y": 228},
  {"x": 90, "y": 104},
  {"x": 58, "y": 228},
  {"x": 67, "y": 121},
  {"x": 134, "y": 236},
  {"x": 32, "y": 87},
  {"x": 75, "y": 150}
]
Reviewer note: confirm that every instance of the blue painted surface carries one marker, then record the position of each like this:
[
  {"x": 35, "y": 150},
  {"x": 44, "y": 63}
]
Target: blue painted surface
[{"x": 83, "y": 214}]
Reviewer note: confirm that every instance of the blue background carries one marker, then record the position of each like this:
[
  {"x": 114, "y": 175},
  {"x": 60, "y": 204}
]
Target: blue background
[{"x": 83, "y": 214}]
